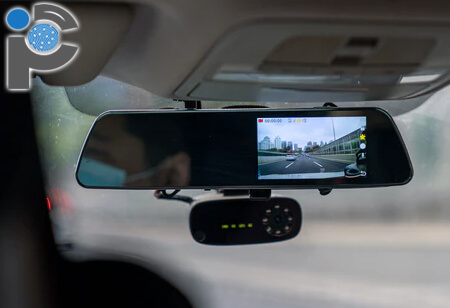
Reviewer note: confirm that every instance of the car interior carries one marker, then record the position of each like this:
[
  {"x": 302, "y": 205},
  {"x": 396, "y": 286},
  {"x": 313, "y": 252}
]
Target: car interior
[{"x": 231, "y": 153}]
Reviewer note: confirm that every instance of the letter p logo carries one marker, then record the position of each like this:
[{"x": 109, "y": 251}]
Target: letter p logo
[{"x": 42, "y": 49}]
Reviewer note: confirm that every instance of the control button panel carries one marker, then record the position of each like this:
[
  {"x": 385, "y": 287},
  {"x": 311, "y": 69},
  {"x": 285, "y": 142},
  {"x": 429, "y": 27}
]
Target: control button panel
[{"x": 237, "y": 221}]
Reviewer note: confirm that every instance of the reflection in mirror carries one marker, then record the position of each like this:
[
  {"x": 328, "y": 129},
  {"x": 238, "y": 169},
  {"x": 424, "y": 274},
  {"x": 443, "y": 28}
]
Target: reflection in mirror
[{"x": 118, "y": 154}]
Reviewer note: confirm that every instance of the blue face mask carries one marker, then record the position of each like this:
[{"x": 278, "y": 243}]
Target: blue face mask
[{"x": 95, "y": 173}]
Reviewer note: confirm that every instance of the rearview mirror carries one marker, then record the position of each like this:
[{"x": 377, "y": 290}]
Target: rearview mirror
[{"x": 309, "y": 148}]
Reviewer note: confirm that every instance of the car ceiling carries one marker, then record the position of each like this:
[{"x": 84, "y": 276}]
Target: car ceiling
[
  {"x": 178, "y": 49},
  {"x": 103, "y": 94}
]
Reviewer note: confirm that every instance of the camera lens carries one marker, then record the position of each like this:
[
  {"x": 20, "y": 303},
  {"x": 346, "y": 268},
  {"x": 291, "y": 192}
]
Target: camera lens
[{"x": 277, "y": 221}]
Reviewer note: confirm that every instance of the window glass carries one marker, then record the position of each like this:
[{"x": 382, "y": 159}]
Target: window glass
[{"x": 382, "y": 247}]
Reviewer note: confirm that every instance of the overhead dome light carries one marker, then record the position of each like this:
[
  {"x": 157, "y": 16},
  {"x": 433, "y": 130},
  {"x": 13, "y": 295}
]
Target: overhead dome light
[
  {"x": 333, "y": 80},
  {"x": 290, "y": 79},
  {"x": 419, "y": 78}
]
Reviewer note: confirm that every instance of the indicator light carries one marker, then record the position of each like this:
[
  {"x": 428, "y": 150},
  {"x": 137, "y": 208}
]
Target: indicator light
[
  {"x": 49, "y": 204},
  {"x": 236, "y": 226}
]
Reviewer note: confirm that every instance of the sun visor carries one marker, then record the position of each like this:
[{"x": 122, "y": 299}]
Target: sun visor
[{"x": 102, "y": 29}]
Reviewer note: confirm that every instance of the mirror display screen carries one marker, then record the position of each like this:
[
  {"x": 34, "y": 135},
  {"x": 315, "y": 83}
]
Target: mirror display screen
[{"x": 311, "y": 147}]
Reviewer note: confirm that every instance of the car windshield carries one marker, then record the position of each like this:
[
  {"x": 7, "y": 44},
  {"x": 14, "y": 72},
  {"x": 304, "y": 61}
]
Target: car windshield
[{"x": 379, "y": 247}]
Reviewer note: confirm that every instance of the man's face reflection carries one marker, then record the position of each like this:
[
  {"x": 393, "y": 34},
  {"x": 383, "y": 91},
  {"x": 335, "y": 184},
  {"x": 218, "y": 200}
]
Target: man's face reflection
[{"x": 112, "y": 143}]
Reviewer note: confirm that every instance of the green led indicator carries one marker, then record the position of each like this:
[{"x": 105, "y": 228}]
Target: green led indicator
[{"x": 237, "y": 226}]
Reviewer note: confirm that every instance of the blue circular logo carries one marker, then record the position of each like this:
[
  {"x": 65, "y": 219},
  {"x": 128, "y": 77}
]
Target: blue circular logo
[
  {"x": 18, "y": 19},
  {"x": 43, "y": 37}
]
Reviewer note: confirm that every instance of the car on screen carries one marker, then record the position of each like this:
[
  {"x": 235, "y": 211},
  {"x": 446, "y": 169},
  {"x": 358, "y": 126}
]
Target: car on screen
[
  {"x": 352, "y": 171},
  {"x": 290, "y": 157}
]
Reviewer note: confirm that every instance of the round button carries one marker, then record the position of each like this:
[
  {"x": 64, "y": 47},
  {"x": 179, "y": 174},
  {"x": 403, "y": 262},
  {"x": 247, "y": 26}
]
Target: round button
[{"x": 200, "y": 236}]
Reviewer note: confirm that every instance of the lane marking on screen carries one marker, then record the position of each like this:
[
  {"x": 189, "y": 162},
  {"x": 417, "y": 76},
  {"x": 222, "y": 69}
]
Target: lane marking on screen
[
  {"x": 318, "y": 164},
  {"x": 289, "y": 165}
]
